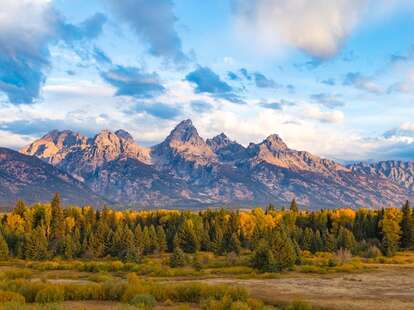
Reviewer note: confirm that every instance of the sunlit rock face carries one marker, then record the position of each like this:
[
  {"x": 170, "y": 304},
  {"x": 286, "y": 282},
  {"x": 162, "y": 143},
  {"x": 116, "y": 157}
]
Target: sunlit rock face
[{"x": 185, "y": 170}]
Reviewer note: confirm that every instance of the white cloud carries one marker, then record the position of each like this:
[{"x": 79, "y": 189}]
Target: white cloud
[
  {"x": 315, "y": 113},
  {"x": 318, "y": 27}
]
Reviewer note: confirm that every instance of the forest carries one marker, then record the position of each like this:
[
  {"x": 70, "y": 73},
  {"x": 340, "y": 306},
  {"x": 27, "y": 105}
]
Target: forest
[
  {"x": 276, "y": 237},
  {"x": 52, "y": 255}
]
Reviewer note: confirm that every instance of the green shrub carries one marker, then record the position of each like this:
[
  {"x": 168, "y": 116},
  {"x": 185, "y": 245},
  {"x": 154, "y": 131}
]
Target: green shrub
[
  {"x": 84, "y": 292},
  {"x": 24, "y": 287},
  {"x": 113, "y": 290},
  {"x": 6, "y": 296},
  {"x": 12, "y": 274},
  {"x": 239, "y": 305},
  {"x": 177, "y": 258},
  {"x": 373, "y": 252},
  {"x": 255, "y": 304},
  {"x": 299, "y": 305},
  {"x": 143, "y": 300},
  {"x": 100, "y": 277},
  {"x": 50, "y": 294}
]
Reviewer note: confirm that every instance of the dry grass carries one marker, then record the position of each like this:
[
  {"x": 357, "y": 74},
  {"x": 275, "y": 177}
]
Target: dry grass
[{"x": 387, "y": 288}]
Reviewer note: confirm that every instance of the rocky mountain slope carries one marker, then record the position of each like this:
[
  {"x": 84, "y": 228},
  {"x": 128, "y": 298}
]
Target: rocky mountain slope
[
  {"x": 185, "y": 170},
  {"x": 28, "y": 178},
  {"x": 399, "y": 172}
]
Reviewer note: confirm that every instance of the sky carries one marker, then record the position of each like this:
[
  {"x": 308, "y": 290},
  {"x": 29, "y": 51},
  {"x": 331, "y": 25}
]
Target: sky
[{"x": 335, "y": 78}]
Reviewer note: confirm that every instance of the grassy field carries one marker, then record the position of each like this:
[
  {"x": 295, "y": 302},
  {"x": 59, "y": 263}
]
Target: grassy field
[{"x": 356, "y": 283}]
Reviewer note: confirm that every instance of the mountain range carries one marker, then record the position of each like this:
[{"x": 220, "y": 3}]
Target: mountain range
[{"x": 187, "y": 171}]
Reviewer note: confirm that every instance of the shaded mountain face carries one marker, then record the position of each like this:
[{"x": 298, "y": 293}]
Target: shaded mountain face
[
  {"x": 29, "y": 178},
  {"x": 226, "y": 149},
  {"x": 185, "y": 170}
]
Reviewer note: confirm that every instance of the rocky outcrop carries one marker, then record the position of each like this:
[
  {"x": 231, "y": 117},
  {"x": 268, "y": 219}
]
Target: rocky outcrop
[{"x": 185, "y": 170}]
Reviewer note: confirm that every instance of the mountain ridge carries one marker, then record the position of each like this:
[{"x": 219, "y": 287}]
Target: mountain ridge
[{"x": 187, "y": 170}]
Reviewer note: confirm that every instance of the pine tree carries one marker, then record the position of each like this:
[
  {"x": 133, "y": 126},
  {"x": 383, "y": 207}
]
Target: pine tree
[
  {"x": 262, "y": 258},
  {"x": 177, "y": 259},
  {"x": 132, "y": 252},
  {"x": 4, "y": 248},
  {"x": 407, "y": 226},
  {"x": 390, "y": 230},
  {"x": 20, "y": 208},
  {"x": 161, "y": 240},
  {"x": 307, "y": 240},
  {"x": 284, "y": 252},
  {"x": 153, "y": 239},
  {"x": 294, "y": 206},
  {"x": 346, "y": 239},
  {"x": 36, "y": 244},
  {"x": 69, "y": 248},
  {"x": 317, "y": 243},
  {"x": 146, "y": 240},
  {"x": 57, "y": 225},
  {"x": 188, "y": 239},
  {"x": 234, "y": 244},
  {"x": 139, "y": 241}
]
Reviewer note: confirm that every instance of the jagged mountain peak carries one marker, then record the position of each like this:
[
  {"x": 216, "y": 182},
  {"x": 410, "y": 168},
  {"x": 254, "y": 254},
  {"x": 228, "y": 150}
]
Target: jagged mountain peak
[
  {"x": 106, "y": 137},
  {"x": 275, "y": 142},
  {"x": 125, "y": 135},
  {"x": 226, "y": 149},
  {"x": 221, "y": 140},
  {"x": 63, "y": 138},
  {"x": 185, "y": 132}
]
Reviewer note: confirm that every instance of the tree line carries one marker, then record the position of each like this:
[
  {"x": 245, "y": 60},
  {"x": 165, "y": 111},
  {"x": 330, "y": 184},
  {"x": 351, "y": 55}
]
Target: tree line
[{"x": 275, "y": 237}]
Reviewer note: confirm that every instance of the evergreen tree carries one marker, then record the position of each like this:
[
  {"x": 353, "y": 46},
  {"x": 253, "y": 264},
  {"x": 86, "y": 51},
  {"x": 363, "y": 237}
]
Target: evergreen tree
[
  {"x": 36, "y": 244},
  {"x": 4, "y": 248},
  {"x": 132, "y": 252},
  {"x": 146, "y": 240},
  {"x": 161, "y": 240},
  {"x": 57, "y": 224},
  {"x": 187, "y": 238},
  {"x": 317, "y": 243},
  {"x": 293, "y": 206},
  {"x": 407, "y": 226},
  {"x": 284, "y": 252},
  {"x": 390, "y": 230},
  {"x": 20, "y": 208},
  {"x": 69, "y": 248},
  {"x": 262, "y": 258},
  {"x": 177, "y": 259},
  {"x": 346, "y": 239},
  {"x": 308, "y": 237}
]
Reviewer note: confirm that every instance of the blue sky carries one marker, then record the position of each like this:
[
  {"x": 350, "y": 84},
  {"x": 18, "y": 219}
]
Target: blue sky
[{"x": 335, "y": 78}]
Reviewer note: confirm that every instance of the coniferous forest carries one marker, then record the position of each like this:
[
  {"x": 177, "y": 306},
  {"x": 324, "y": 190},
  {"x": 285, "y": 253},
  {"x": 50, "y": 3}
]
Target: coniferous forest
[{"x": 276, "y": 238}]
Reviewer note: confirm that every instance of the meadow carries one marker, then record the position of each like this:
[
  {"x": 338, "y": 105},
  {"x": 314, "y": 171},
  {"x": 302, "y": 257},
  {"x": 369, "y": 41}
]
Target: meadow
[{"x": 216, "y": 282}]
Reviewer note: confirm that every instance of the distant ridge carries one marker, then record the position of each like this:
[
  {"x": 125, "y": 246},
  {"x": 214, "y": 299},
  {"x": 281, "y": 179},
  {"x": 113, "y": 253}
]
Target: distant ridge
[
  {"x": 27, "y": 177},
  {"x": 185, "y": 171}
]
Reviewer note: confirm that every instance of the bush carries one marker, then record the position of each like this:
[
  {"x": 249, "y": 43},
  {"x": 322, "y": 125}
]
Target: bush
[
  {"x": 24, "y": 287},
  {"x": 373, "y": 252},
  {"x": 100, "y": 277},
  {"x": 299, "y": 305},
  {"x": 84, "y": 292},
  {"x": 13, "y": 274},
  {"x": 255, "y": 304},
  {"x": 50, "y": 294},
  {"x": 143, "y": 300},
  {"x": 11, "y": 297}
]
